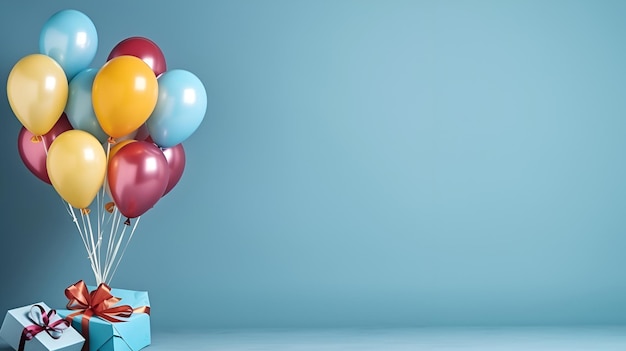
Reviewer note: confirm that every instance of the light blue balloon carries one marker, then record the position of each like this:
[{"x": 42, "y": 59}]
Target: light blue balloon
[
  {"x": 179, "y": 110},
  {"x": 70, "y": 38},
  {"x": 79, "y": 109}
]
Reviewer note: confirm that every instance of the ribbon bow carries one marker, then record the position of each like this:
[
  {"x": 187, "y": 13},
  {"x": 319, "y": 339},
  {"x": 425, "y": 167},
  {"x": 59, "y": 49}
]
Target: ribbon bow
[
  {"x": 100, "y": 303},
  {"x": 49, "y": 322}
]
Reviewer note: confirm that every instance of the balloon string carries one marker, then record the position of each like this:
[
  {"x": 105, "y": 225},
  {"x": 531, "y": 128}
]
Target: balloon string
[
  {"x": 70, "y": 210},
  {"x": 114, "y": 254},
  {"x": 100, "y": 205},
  {"x": 43, "y": 142},
  {"x": 95, "y": 247},
  {"x": 90, "y": 240},
  {"x": 114, "y": 225},
  {"x": 93, "y": 252},
  {"x": 99, "y": 229},
  {"x": 132, "y": 233},
  {"x": 106, "y": 259}
]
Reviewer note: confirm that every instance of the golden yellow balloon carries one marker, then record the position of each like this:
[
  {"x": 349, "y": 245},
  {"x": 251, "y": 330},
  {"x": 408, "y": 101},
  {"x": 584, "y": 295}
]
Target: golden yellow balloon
[
  {"x": 124, "y": 94},
  {"x": 76, "y": 165},
  {"x": 37, "y": 89}
]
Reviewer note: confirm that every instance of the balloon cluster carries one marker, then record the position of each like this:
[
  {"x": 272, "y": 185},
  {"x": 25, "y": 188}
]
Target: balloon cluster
[{"x": 119, "y": 127}]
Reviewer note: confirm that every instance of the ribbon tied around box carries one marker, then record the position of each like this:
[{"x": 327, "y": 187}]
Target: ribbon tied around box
[
  {"x": 100, "y": 303},
  {"x": 49, "y": 322}
]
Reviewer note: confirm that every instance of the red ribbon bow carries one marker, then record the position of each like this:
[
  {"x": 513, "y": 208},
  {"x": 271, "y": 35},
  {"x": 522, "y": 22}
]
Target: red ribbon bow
[
  {"x": 42, "y": 323},
  {"x": 98, "y": 303}
]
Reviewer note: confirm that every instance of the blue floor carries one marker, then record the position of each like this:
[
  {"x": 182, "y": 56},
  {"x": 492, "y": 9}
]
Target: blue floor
[{"x": 484, "y": 339}]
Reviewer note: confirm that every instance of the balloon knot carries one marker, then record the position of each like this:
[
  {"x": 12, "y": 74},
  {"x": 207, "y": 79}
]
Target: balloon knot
[
  {"x": 127, "y": 221},
  {"x": 85, "y": 211},
  {"x": 36, "y": 139},
  {"x": 109, "y": 207},
  {"x": 111, "y": 140}
]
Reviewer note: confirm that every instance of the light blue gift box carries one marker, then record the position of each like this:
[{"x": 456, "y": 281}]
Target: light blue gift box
[
  {"x": 17, "y": 319},
  {"x": 131, "y": 335}
]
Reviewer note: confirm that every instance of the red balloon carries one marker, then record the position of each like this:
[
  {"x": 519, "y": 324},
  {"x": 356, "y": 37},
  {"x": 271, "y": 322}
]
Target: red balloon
[
  {"x": 143, "y": 48},
  {"x": 175, "y": 156},
  {"x": 138, "y": 175},
  {"x": 33, "y": 151}
]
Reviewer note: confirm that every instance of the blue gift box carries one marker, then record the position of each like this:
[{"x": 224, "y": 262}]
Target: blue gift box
[
  {"x": 132, "y": 334},
  {"x": 18, "y": 318}
]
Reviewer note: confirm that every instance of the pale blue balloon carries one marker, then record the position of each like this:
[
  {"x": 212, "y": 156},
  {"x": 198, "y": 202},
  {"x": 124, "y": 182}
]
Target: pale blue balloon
[
  {"x": 79, "y": 109},
  {"x": 180, "y": 108},
  {"x": 71, "y": 39}
]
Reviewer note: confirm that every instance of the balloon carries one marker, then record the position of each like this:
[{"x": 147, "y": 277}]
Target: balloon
[
  {"x": 129, "y": 136},
  {"x": 144, "y": 49},
  {"x": 33, "y": 150},
  {"x": 142, "y": 133},
  {"x": 176, "y": 162},
  {"x": 180, "y": 108},
  {"x": 137, "y": 175},
  {"x": 37, "y": 91},
  {"x": 76, "y": 166},
  {"x": 79, "y": 108},
  {"x": 117, "y": 146},
  {"x": 114, "y": 149},
  {"x": 70, "y": 38},
  {"x": 124, "y": 94}
]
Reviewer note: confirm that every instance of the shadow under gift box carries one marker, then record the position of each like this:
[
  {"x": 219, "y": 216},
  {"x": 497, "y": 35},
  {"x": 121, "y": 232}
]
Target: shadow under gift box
[
  {"x": 17, "y": 319},
  {"x": 132, "y": 334}
]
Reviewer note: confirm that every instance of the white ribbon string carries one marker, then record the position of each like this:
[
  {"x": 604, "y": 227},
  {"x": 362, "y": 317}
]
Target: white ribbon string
[
  {"x": 70, "y": 209},
  {"x": 124, "y": 250}
]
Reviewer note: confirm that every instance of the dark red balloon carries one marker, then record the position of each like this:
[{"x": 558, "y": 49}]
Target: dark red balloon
[
  {"x": 175, "y": 156},
  {"x": 33, "y": 150},
  {"x": 143, "y": 48},
  {"x": 138, "y": 175}
]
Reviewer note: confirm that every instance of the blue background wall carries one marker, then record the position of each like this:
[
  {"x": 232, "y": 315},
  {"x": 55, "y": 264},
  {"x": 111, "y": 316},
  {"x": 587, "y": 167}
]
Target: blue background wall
[{"x": 361, "y": 163}]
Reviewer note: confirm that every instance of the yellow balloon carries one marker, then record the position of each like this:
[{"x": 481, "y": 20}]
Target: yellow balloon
[
  {"x": 37, "y": 89},
  {"x": 124, "y": 94},
  {"x": 76, "y": 165}
]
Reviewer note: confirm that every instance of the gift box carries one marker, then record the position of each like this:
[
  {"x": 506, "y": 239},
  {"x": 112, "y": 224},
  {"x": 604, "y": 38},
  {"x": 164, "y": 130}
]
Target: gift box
[
  {"x": 109, "y": 319},
  {"x": 38, "y": 328}
]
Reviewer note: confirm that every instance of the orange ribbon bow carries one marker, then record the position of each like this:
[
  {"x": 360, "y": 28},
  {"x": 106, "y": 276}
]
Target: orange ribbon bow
[{"x": 100, "y": 303}]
